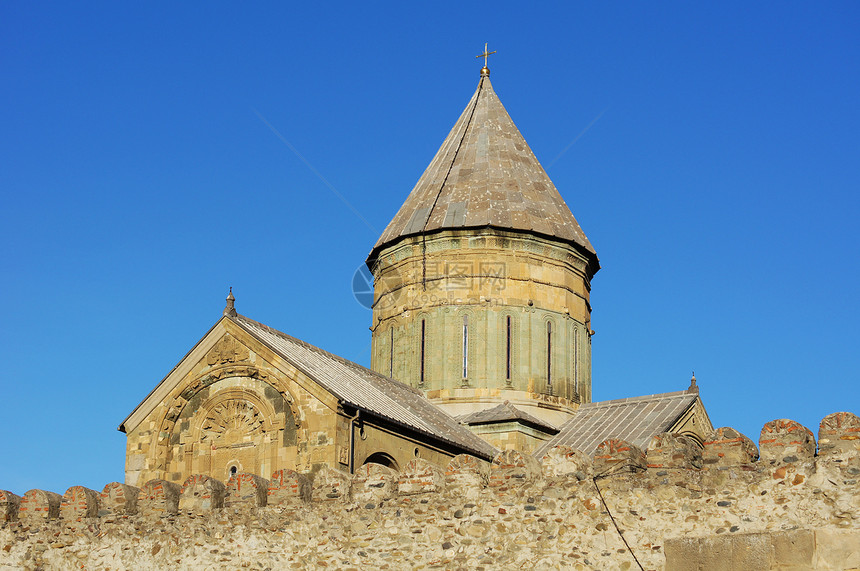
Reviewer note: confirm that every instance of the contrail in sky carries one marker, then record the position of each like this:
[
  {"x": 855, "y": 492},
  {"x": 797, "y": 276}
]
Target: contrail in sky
[
  {"x": 578, "y": 137},
  {"x": 315, "y": 171}
]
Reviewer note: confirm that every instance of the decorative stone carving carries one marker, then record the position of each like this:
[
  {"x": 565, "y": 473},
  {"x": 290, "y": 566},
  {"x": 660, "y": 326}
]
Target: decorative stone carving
[
  {"x": 230, "y": 421},
  {"x": 227, "y": 350}
]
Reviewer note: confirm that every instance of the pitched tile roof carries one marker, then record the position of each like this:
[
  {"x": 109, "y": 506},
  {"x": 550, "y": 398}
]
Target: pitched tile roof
[
  {"x": 635, "y": 420},
  {"x": 485, "y": 175},
  {"x": 367, "y": 390},
  {"x": 503, "y": 413}
]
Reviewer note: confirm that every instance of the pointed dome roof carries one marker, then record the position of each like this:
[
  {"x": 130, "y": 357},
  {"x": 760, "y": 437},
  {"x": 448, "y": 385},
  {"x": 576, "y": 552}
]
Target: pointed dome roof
[{"x": 485, "y": 175}]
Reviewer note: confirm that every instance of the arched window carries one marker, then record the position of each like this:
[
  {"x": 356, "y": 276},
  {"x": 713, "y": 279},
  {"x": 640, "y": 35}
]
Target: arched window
[
  {"x": 508, "y": 348},
  {"x": 382, "y": 458},
  {"x": 465, "y": 346},
  {"x": 391, "y": 352},
  {"x": 549, "y": 353},
  {"x": 421, "y": 349}
]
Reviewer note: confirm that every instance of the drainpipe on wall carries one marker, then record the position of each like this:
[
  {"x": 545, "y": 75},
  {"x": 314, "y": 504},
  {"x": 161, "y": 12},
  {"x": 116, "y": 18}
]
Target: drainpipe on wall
[{"x": 352, "y": 441}]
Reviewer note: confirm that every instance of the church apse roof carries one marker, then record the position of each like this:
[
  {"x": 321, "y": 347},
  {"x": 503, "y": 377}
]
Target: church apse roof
[
  {"x": 368, "y": 390},
  {"x": 485, "y": 175},
  {"x": 635, "y": 420}
]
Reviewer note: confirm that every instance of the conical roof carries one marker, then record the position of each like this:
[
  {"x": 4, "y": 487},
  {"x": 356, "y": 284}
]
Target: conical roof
[{"x": 485, "y": 175}]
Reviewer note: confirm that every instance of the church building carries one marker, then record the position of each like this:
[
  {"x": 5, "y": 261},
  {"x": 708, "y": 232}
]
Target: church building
[{"x": 481, "y": 342}]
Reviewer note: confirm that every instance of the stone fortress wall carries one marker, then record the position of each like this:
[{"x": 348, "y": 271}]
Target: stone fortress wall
[{"x": 786, "y": 504}]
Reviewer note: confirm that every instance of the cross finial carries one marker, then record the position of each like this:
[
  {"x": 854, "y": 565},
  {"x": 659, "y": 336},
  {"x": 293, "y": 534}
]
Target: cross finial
[{"x": 485, "y": 71}]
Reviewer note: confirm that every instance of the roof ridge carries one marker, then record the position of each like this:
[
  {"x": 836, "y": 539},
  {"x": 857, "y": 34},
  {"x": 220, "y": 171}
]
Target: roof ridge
[{"x": 636, "y": 399}]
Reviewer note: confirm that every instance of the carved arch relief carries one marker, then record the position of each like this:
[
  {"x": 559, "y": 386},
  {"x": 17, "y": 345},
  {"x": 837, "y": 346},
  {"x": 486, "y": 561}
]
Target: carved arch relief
[{"x": 236, "y": 423}]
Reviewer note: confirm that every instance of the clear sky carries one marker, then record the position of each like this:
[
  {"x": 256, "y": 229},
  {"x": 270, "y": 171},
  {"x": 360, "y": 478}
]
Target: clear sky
[{"x": 718, "y": 182}]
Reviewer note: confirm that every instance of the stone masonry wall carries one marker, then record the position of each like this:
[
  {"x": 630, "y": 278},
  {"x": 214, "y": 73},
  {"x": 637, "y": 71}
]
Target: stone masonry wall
[{"x": 672, "y": 506}]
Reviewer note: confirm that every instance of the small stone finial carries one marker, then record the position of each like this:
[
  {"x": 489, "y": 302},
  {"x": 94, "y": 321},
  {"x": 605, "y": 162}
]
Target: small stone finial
[
  {"x": 485, "y": 71},
  {"x": 230, "y": 309},
  {"x": 693, "y": 386}
]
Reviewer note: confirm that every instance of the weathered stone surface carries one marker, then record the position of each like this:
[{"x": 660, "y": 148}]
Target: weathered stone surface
[
  {"x": 466, "y": 474},
  {"x": 727, "y": 447},
  {"x": 9, "y": 506},
  {"x": 288, "y": 487},
  {"x": 786, "y": 441},
  {"x": 512, "y": 469},
  {"x": 39, "y": 505},
  {"x": 158, "y": 498},
  {"x": 201, "y": 494},
  {"x": 839, "y": 434},
  {"x": 330, "y": 485},
  {"x": 373, "y": 483},
  {"x": 420, "y": 477},
  {"x": 566, "y": 461},
  {"x": 118, "y": 499},
  {"x": 79, "y": 502},
  {"x": 750, "y": 516},
  {"x": 615, "y": 456},
  {"x": 669, "y": 450},
  {"x": 246, "y": 491}
]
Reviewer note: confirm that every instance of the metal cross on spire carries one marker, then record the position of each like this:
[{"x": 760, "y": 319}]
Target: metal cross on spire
[{"x": 485, "y": 70}]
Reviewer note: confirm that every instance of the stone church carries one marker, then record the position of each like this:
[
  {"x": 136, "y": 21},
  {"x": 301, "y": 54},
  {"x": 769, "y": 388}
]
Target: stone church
[{"x": 481, "y": 342}]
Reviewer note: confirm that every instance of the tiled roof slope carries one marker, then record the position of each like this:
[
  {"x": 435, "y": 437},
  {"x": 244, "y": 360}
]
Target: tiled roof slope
[
  {"x": 485, "y": 175},
  {"x": 635, "y": 420},
  {"x": 502, "y": 413},
  {"x": 368, "y": 390}
]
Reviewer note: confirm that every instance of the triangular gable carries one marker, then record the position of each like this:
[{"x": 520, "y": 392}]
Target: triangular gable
[{"x": 223, "y": 327}]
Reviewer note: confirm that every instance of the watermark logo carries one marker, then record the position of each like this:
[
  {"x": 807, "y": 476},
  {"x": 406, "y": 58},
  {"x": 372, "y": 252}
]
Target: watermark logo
[{"x": 442, "y": 283}]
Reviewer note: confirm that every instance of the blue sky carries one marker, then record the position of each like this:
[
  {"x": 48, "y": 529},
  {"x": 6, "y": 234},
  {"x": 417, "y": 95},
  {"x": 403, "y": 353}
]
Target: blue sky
[{"x": 719, "y": 186}]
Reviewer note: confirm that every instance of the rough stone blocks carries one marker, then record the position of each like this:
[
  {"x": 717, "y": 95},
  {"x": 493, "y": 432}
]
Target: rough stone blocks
[
  {"x": 466, "y": 474},
  {"x": 614, "y": 456},
  {"x": 727, "y": 447},
  {"x": 330, "y": 485},
  {"x": 566, "y": 461},
  {"x": 669, "y": 450},
  {"x": 118, "y": 499},
  {"x": 9, "y": 506},
  {"x": 288, "y": 487},
  {"x": 512, "y": 469},
  {"x": 373, "y": 483},
  {"x": 79, "y": 502},
  {"x": 786, "y": 441},
  {"x": 839, "y": 435},
  {"x": 420, "y": 476},
  {"x": 39, "y": 505},
  {"x": 201, "y": 494},
  {"x": 246, "y": 491},
  {"x": 158, "y": 498}
]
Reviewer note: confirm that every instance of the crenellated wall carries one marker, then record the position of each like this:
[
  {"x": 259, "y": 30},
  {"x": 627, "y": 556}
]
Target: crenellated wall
[{"x": 784, "y": 504}]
